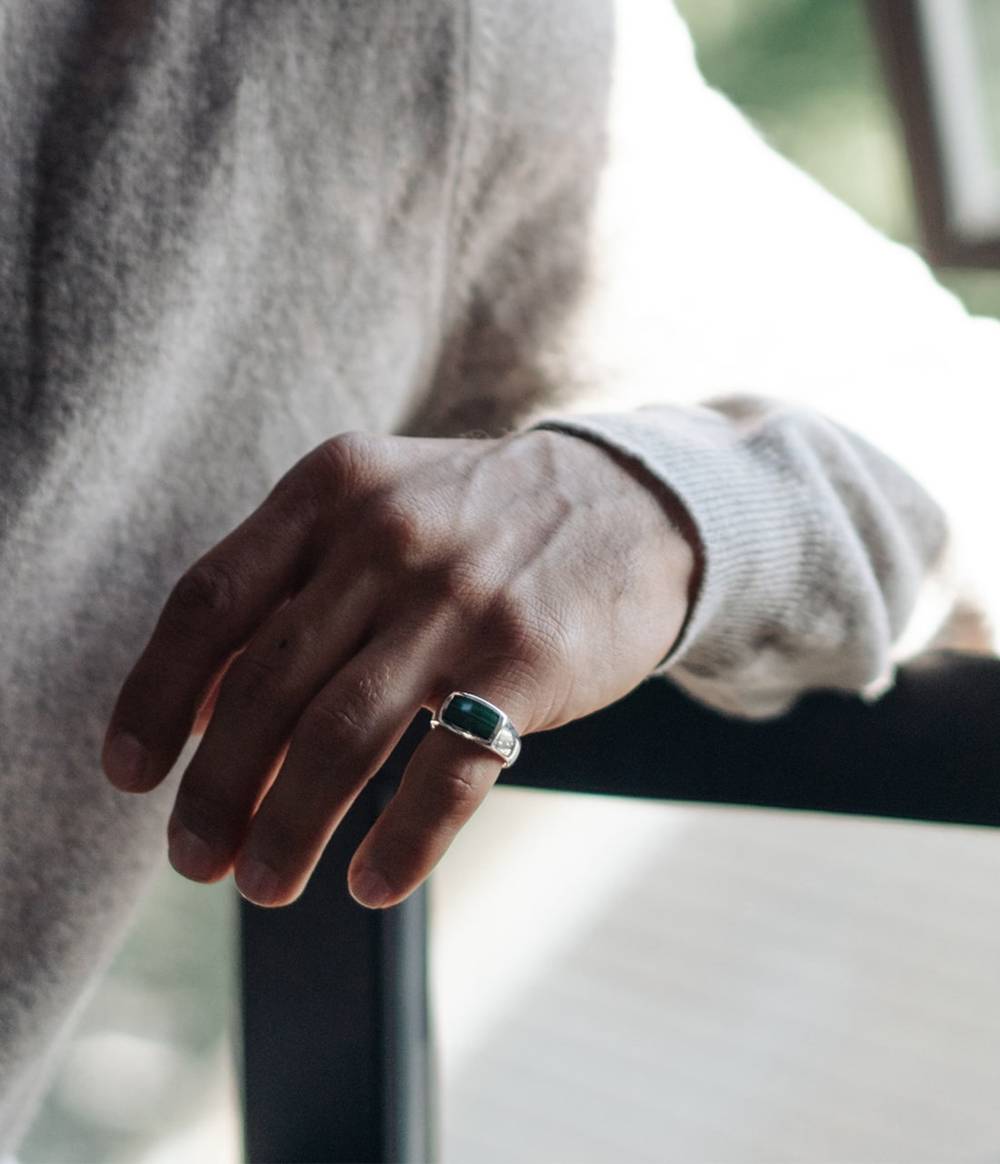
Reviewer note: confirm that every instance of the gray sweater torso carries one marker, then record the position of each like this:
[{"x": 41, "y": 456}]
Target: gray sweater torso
[{"x": 228, "y": 232}]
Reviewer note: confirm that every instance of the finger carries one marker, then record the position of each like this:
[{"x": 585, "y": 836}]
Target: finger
[
  {"x": 344, "y": 737},
  {"x": 211, "y": 613},
  {"x": 445, "y": 781},
  {"x": 260, "y": 700},
  {"x": 179, "y": 839}
]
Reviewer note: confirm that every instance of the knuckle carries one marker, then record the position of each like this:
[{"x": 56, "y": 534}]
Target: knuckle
[
  {"x": 456, "y": 795},
  {"x": 464, "y": 585},
  {"x": 519, "y": 629},
  {"x": 514, "y": 680},
  {"x": 301, "y": 495},
  {"x": 372, "y": 686},
  {"x": 340, "y": 726},
  {"x": 533, "y": 630},
  {"x": 346, "y": 458},
  {"x": 399, "y": 532},
  {"x": 204, "y": 596},
  {"x": 447, "y": 591}
]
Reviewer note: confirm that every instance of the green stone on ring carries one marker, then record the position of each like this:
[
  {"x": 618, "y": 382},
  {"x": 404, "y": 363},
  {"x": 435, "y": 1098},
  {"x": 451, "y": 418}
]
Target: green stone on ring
[{"x": 469, "y": 715}]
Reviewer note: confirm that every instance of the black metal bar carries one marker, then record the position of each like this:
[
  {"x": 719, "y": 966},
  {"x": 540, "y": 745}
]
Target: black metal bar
[
  {"x": 929, "y": 749},
  {"x": 409, "y": 1085},
  {"x": 335, "y": 1057},
  {"x": 335, "y": 1046}
]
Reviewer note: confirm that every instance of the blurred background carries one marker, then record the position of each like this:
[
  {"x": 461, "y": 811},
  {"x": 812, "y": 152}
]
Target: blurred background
[{"x": 621, "y": 981}]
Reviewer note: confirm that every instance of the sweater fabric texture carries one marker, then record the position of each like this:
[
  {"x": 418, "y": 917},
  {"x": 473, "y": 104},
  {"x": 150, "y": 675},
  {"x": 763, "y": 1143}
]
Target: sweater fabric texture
[{"x": 228, "y": 232}]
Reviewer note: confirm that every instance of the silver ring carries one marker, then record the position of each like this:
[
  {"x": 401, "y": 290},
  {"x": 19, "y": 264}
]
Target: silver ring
[{"x": 476, "y": 719}]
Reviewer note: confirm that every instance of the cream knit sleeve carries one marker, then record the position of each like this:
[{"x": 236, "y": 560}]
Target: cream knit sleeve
[
  {"x": 815, "y": 547},
  {"x": 775, "y": 362},
  {"x": 791, "y": 375}
]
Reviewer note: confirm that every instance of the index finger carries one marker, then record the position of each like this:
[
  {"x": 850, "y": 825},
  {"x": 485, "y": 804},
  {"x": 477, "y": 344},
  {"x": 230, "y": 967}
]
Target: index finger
[{"x": 209, "y": 615}]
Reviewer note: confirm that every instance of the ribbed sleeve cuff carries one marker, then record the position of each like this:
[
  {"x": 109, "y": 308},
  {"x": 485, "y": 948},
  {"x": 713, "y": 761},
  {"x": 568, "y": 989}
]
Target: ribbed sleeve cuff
[{"x": 757, "y": 531}]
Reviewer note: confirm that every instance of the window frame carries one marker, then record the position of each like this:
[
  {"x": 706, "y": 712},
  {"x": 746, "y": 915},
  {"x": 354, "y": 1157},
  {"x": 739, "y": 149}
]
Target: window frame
[{"x": 912, "y": 67}]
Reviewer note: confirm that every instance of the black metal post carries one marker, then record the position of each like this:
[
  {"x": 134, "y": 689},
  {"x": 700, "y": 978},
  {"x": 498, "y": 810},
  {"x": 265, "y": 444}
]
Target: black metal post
[{"x": 335, "y": 1057}]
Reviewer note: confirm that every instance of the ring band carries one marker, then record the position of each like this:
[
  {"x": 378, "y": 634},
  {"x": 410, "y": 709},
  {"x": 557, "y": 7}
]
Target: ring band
[{"x": 482, "y": 722}]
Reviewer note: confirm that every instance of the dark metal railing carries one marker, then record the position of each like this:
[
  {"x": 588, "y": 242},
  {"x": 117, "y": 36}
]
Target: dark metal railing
[{"x": 336, "y": 1056}]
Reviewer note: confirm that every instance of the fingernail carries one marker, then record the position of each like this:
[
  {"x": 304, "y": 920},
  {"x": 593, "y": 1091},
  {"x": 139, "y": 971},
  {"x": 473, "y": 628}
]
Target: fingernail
[
  {"x": 190, "y": 855},
  {"x": 125, "y": 761},
  {"x": 257, "y": 882},
  {"x": 369, "y": 889}
]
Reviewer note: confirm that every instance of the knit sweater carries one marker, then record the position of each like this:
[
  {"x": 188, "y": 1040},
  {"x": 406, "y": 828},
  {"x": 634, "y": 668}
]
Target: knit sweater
[{"x": 230, "y": 231}]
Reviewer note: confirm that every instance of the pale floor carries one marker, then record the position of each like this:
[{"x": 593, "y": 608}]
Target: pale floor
[
  {"x": 619, "y": 982},
  {"x": 744, "y": 986}
]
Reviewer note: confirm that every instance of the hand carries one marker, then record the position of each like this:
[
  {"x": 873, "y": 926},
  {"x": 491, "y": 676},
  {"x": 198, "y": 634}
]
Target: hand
[{"x": 539, "y": 570}]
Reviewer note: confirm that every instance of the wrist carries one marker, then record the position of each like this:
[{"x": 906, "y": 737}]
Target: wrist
[{"x": 663, "y": 525}]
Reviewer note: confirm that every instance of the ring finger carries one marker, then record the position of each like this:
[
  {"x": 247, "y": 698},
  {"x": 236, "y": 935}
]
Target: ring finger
[{"x": 445, "y": 781}]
